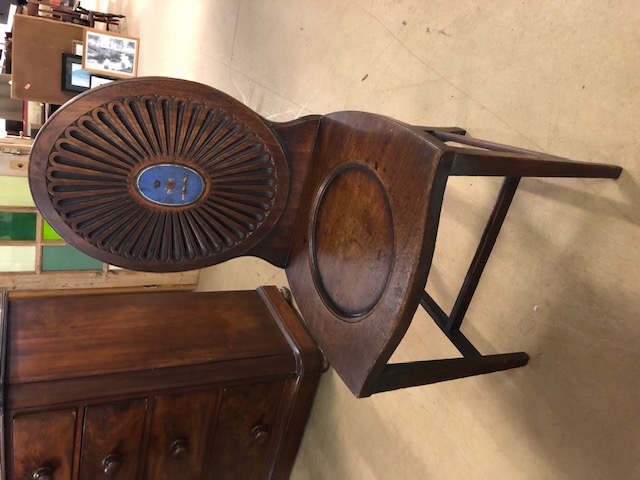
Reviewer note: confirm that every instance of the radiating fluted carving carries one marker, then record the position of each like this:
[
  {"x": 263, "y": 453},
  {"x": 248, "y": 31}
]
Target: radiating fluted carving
[{"x": 92, "y": 169}]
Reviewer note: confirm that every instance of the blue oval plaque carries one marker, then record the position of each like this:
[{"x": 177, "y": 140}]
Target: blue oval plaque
[{"x": 170, "y": 184}]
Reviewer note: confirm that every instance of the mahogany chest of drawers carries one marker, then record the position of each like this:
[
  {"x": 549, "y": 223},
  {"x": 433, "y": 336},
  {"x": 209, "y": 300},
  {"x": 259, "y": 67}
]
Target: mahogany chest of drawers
[{"x": 158, "y": 386}]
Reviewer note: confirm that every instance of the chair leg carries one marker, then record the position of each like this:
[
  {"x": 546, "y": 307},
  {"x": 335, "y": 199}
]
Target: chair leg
[
  {"x": 450, "y": 324},
  {"x": 488, "y": 240},
  {"x": 464, "y": 346},
  {"x": 433, "y": 130},
  {"x": 506, "y": 161},
  {"x": 402, "y": 375},
  {"x": 395, "y": 376},
  {"x": 489, "y": 159}
]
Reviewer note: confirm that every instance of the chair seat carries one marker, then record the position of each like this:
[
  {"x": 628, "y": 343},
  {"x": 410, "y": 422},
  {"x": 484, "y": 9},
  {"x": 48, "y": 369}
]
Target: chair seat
[{"x": 364, "y": 239}]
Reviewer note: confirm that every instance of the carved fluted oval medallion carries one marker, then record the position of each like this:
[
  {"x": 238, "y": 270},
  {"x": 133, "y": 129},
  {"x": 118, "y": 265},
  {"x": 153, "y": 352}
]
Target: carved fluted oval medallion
[{"x": 166, "y": 179}]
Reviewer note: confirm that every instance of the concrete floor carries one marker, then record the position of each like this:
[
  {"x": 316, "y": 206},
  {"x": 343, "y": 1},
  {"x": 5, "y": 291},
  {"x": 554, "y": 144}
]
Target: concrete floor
[{"x": 562, "y": 283}]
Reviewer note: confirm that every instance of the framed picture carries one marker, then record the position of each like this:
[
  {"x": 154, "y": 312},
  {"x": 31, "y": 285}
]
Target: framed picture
[
  {"x": 74, "y": 78},
  {"x": 110, "y": 54},
  {"x": 96, "y": 80},
  {"x": 77, "y": 48}
]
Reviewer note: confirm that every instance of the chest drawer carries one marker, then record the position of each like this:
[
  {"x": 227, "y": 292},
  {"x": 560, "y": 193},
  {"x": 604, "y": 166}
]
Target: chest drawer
[
  {"x": 180, "y": 430},
  {"x": 111, "y": 440},
  {"x": 180, "y": 386},
  {"x": 246, "y": 423},
  {"x": 43, "y": 445}
]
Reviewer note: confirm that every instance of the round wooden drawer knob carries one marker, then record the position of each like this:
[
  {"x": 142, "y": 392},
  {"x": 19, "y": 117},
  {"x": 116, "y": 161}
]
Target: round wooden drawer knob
[
  {"x": 42, "y": 473},
  {"x": 260, "y": 433},
  {"x": 179, "y": 448},
  {"x": 112, "y": 464}
]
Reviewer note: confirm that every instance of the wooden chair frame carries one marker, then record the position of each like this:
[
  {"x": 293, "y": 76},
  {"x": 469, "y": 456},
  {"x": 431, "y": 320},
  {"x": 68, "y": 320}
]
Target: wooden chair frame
[
  {"x": 488, "y": 159},
  {"x": 269, "y": 189}
]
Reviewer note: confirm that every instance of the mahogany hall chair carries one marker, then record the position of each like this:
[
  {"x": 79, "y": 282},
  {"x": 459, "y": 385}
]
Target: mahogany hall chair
[{"x": 165, "y": 175}]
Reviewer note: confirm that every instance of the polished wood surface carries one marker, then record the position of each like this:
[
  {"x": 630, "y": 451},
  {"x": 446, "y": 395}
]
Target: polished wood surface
[
  {"x": 179, "y": 331},
  {"x": 353, "y": 220},
  {"x": 207, "y": 398},
  {"x": 4, "y": 320},
  {"x": 247, "y": 422},
  {"x": 297, "y": 138},
  {"x": 387, "y": 264},
  {"x": 179, "y": 435},
  {"x": 111, "y": 439},
  {"x": 495, "y": 159},
  {"x": 86, "y": 168},
  {"x": 43, "y": 445}
]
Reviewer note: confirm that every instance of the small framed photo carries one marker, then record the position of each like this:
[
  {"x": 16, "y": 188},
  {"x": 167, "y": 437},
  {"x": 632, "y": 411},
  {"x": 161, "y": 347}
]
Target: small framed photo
[
  {"x": 110, "y": 54},
  {"x": 74, "y": 78},
  {"x": 77, "y": 48},
  {"x": 97, "y": 80}
]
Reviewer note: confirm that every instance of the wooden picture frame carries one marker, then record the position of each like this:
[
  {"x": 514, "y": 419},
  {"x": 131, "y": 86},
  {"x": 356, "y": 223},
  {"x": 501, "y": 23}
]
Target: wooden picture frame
[
  {"x": 97, "y": 80},
  {"x": 77, "y": 47},
  {"x": 111, "y": 54},
  {"x": 74, "y": 78}
]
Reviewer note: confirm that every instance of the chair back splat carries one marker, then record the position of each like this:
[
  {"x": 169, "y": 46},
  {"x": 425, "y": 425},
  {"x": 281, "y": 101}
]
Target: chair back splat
[{"x": 165, "y": 175}]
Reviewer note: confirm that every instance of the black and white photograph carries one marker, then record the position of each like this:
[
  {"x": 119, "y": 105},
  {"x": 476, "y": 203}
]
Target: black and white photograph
[{"x": 110, "y": 54}]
